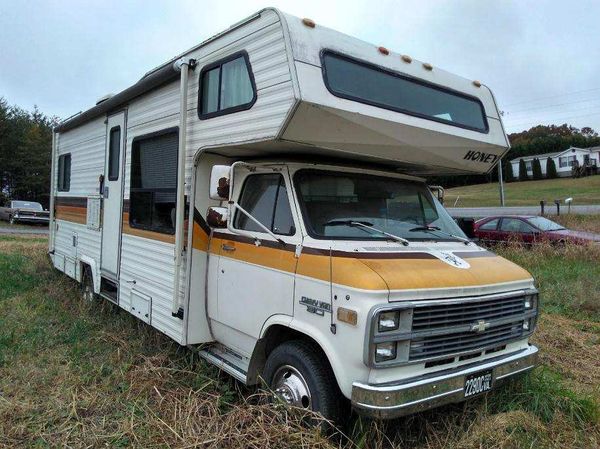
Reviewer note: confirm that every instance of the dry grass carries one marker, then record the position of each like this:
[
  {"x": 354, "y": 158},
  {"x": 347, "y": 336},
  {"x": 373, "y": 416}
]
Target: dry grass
[{"x": 79, "y": 375}]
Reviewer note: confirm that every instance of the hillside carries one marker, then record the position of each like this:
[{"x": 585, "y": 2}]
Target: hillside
[{"x": 528, "y": 193}]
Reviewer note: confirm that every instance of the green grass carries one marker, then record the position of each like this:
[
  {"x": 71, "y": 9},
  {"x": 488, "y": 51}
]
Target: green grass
[
  {"x": 90, "y": 375},
  {"x": 528, "y": 193}
]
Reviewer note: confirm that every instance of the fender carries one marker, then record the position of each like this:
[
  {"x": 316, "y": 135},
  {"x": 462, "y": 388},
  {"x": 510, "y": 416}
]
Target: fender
[
  {"x": 322, "y": 339},
  {"x": 95, "y": 278}
]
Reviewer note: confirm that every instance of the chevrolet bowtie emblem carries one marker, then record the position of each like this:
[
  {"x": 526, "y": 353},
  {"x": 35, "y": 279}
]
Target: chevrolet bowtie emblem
[{"x": 480, "y": 326}]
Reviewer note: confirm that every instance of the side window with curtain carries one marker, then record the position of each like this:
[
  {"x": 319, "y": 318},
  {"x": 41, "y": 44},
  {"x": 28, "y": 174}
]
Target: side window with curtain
[
  {"x": 226, "y": 86},
  {"x": 265, "y": 198},
  {"x": 153, "y": 188},
  {"x": 64, "y": 173}
]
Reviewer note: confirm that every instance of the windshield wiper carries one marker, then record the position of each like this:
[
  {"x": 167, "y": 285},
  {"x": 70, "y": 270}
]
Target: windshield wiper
[
  {"x": 366, "y": 225},
  {"x": 437, "y": 229}
]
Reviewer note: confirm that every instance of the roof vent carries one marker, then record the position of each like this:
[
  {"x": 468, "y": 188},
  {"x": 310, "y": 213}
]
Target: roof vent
[{"x": 103, "y": 98}]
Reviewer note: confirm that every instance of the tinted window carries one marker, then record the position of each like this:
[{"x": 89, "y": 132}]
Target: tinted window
[
  {"x": 515, "y": 225},
  {"x": 64, "y": 173},
  {"x": 491, "y": 225},
  {"x": 114, "y": 150},
  {"x": 226, "y": 86},
  {"x": 367, "y": 83},
  {"x": 153, "y": 190},
  {"x": 265, "y": 198}
]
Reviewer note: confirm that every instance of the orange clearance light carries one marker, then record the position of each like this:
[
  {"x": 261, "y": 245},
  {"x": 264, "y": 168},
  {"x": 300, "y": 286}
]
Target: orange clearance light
[
  {"x": 477, "y": 83},
  {"x": 427, "y": 66},
  {"x": 309, "y": 22},
  {"x": 347, "y": 316},
  {"x": 383, "y": 51},
  {"x": 406, "y": 59}
]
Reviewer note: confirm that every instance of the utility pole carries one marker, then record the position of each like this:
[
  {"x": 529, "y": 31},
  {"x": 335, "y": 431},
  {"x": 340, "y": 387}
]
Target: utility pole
[{"x": 501, "y": 183}]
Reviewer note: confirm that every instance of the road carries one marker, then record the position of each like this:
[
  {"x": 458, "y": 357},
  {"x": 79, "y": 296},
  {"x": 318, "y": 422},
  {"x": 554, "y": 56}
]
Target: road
[
  {"x": 23, "y": 231},
  {"x": 476, "y": 212}
]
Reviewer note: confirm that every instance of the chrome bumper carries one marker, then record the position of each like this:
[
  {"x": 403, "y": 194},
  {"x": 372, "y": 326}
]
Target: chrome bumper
[{"x": 415, "y": 395}]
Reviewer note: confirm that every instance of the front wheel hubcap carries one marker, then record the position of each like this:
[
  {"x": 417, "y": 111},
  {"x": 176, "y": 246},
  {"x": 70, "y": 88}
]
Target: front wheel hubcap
[{"x": 291, "y": 386}]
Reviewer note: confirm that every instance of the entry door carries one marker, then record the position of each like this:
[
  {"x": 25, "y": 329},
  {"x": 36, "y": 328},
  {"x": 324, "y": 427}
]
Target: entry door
[{"x": 112, "y": 195}]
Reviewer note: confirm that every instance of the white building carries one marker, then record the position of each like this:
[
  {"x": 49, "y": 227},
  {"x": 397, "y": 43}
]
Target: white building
[{"x": 563, "y": 160}]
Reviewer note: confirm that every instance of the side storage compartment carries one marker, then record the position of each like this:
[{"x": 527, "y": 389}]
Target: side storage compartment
[
  {"x": 59, "y": 262},
  {"x": 141, "y": 306}
]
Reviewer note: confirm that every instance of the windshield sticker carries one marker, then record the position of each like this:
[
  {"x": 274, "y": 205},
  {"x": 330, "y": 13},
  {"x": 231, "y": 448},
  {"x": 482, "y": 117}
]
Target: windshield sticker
[{"x": 451, "y": 259}]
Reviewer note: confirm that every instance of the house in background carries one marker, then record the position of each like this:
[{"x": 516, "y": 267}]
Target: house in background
[{"x": 563, "y": 160}]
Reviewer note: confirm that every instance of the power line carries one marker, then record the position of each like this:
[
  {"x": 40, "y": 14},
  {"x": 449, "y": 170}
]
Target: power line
[
  {"x": 551, "y": 114},
  {"x": 518, "y": 111},
  {"x": 552, "y": 119},
  {"x": 551, "y": 96}
]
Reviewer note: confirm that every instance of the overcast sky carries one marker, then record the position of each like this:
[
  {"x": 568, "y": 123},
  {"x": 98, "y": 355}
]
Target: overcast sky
[{"x": 541, "y": 58}]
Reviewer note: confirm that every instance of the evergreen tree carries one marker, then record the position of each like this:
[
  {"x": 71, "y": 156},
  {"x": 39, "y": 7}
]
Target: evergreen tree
[
  {"x": 508, "y": 172},
  {"x": 523, "y": 171},
  {"x": 537, "y": 169},
  {"x": 551, "y": 169}
]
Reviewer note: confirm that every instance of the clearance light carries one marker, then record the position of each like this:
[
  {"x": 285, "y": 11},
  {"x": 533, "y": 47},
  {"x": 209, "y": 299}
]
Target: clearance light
[
  {"x": 347, "y": 316},
  {"x": 385, "y": 351},
  {"x": 309, "y": 22},
  {"x": 383, "y": 51},
  {"x": 406, "y": 59},
  {"x": 427, "y": 66},
  {"x": 477, "y": 83}
]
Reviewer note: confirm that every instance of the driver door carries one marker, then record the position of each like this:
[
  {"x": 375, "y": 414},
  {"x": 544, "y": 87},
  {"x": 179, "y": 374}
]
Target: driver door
[{"x": 255, "y": 276}]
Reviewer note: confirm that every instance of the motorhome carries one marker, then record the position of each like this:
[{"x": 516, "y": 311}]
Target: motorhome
[{"x": 261, "y": 198}]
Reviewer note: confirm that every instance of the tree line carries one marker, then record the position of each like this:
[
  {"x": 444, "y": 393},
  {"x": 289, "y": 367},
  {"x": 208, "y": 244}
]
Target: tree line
[
  {"x": 25, "y": 153},
  {"x": 26, "y": 148}
]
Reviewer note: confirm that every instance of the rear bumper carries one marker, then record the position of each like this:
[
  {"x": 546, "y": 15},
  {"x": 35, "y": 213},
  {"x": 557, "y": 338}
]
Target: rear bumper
[
  {"x": 31, "y": 219},
  {"x": 415, "y": 395}
]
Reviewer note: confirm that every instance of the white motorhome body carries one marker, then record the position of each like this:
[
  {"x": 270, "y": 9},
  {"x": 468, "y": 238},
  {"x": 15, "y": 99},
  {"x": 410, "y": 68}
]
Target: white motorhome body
[{"x": 268, "y": 102}]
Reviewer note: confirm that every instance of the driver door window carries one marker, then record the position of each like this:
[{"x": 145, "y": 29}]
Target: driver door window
[
  {"x": 265, "y": 198},
  {"x": 515, "y": 225}
]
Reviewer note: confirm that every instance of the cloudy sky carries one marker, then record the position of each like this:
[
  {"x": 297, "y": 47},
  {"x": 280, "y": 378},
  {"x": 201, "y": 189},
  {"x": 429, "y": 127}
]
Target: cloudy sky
[{"x": 541, "y": 58}]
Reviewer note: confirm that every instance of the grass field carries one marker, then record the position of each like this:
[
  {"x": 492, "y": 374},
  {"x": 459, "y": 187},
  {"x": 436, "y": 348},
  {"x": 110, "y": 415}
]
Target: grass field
[
  {"x": 88, "y": 375},
  {"x": 528, "y": 193}
]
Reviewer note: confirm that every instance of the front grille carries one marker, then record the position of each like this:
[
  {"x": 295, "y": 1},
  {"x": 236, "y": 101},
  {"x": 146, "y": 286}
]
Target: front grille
[
  {"x": 442, "y": 330},
  {"x": 441, "y": 345},
  {"x": 446, "y": 315}
]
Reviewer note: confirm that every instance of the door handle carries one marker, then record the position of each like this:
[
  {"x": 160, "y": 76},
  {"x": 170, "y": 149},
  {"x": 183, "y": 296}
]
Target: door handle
[{"x": 226, "y": 247}]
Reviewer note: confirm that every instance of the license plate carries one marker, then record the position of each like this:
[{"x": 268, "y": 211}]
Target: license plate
[{"x": 478, "y": 383}]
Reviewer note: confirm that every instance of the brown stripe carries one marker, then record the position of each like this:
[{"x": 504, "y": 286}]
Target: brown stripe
[{"x": 74, "y": 201}]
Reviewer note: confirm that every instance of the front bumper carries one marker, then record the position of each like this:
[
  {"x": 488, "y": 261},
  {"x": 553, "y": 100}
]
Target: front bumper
[{"x": 392, "y": 400}]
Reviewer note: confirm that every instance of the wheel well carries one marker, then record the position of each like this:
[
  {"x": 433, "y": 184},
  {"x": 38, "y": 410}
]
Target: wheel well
[
  {"x": 85, "y": 266},
  {"x": 275, "y": 335}
]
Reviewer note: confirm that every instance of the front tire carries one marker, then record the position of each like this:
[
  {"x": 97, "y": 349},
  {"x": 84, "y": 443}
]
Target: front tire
[{"x": 300, "y": 375}]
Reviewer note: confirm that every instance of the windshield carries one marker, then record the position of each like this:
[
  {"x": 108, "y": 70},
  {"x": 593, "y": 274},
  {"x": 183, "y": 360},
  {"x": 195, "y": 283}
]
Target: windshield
[
  {"x": 543, "y": 224},
  {"x": 27, "y": 205},
  {"x": 332, "y": 200}
]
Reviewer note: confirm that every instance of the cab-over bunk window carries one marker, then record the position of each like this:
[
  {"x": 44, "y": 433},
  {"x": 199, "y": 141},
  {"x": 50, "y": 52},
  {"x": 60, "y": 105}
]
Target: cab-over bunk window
[
  {"x": 359, "y": 81},
  {"x": 153, "y": 188},
  {"x": 226, "y": 86}
]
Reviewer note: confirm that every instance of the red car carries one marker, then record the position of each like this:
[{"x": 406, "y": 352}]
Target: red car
[{"x": 529, "y": 229}]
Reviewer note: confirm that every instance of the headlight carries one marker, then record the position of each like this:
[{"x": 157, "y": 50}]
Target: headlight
[
  {"x": 385, "y": 351},
  {"x": 531, "y": 301},
  {"x": 389, "y": 321}
]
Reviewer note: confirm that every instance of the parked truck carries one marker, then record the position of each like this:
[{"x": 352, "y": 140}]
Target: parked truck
[{"x": 261, "y": 199}]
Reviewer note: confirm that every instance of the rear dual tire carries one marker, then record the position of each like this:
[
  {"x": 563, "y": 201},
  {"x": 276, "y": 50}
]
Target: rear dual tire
[{"x": 87, "y": 286}]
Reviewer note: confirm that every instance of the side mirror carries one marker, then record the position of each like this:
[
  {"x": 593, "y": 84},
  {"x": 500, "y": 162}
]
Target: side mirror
[
  {"x": 216, "y": 217},
  {"x": 219, "y": 182}
]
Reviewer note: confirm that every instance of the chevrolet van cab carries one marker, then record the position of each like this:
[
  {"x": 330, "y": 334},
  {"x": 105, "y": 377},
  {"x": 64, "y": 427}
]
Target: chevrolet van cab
[{"x": 262, "y": 199}]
